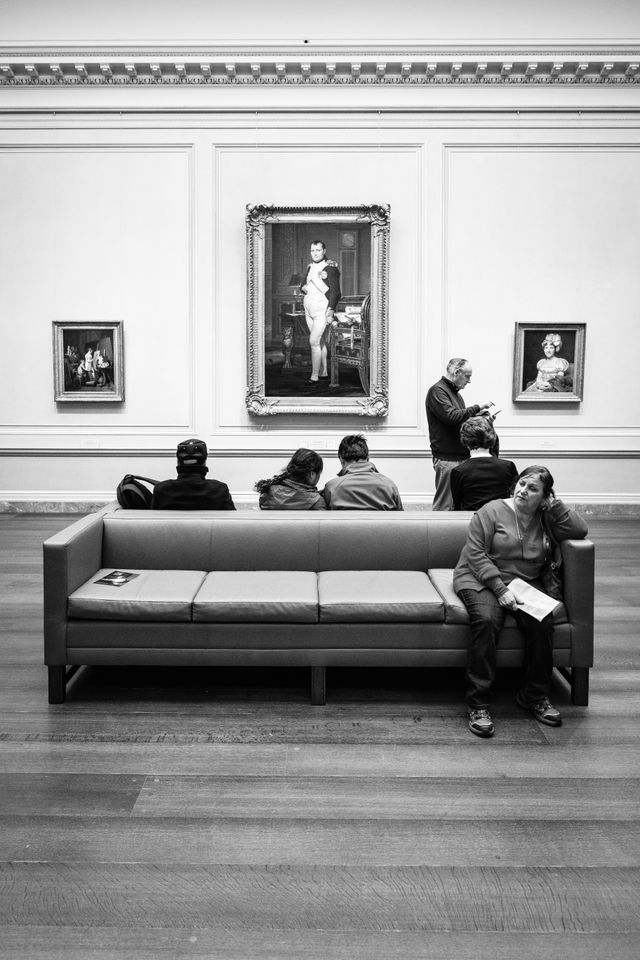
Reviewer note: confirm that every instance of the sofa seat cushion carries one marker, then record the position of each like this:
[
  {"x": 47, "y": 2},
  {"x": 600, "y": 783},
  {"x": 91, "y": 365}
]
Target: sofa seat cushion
[
  {"x": 254, "y": 596},
  {"x": 455, "y": 610},
  {"x": 378, "y": 596},
  {"x": 152, "y": 595}
]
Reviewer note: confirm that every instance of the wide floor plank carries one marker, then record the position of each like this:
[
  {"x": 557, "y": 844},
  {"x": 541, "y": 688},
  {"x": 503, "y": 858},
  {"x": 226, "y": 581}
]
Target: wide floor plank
[
  {"x": 288, "y": 897},
  {"x": 472, "y": 760},
  {"x": 207, "y": 943},
  {"x": 310, "y": 797},
  {"x": 415, "y": 841}
]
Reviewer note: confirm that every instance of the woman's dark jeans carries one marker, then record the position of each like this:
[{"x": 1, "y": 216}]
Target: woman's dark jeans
[{"x": 487, "y": 619}]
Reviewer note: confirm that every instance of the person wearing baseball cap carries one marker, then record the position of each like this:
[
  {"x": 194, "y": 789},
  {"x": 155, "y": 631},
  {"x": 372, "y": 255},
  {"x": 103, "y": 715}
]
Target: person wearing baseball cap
[{"x": 191, "y": 490}]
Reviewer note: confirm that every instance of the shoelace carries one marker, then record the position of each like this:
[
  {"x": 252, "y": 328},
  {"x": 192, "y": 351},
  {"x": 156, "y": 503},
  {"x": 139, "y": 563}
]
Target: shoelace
[{"x": 480, "y": 715}]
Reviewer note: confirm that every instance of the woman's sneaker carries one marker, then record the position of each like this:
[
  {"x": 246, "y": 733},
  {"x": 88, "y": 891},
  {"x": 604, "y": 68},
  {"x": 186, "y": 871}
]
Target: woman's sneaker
[
  {"x": 480, "y": 722},
  {"x": 542, "y": 710}
]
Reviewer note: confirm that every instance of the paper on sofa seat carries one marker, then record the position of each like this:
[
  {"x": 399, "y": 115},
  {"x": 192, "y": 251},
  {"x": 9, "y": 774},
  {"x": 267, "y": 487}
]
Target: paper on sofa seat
[
  {"x": 117, "y": 578},
  {"x": 534, "y": 602},
  {"x": 153, "y": 595}
]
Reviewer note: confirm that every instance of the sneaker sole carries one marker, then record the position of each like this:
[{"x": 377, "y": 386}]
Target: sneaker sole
[
  {"x": 550, "y": 723},
  {"x": 481, "y": 733}
]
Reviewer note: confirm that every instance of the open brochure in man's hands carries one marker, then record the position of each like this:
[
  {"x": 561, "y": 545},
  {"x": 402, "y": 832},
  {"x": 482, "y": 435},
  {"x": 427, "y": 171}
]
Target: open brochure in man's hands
[{"x": 534, "y": 602}]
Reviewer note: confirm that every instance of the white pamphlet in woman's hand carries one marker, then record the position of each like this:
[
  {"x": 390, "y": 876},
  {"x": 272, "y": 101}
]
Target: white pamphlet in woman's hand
[{"x": 534, "y": 602}]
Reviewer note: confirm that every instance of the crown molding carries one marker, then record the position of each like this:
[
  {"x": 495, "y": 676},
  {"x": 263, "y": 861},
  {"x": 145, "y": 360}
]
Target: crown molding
[{"x": 136, "y": 64}]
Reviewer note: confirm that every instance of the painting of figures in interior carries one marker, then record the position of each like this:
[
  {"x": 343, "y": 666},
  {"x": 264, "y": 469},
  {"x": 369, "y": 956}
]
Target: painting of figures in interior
[
  {"x": 88, "y": 361},
  {"x": 317, "y": 309}
]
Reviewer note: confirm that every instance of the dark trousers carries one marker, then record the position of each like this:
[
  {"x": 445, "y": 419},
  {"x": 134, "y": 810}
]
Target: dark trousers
[{"x": 487, "y": 619}]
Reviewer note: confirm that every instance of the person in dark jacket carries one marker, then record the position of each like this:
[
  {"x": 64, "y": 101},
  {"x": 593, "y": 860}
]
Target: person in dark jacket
[
  {"x": 445, "y": 415},
  {"x": 482, "y": 477},
  {"x": 191, "y": 490},
  {"x": 295, "y": 488}
]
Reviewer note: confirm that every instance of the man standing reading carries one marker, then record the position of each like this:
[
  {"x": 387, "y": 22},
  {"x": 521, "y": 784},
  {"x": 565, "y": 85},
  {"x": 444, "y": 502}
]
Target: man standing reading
[
  {"x": 445, "y": 415},
  {"x": 321, "y": 290}
]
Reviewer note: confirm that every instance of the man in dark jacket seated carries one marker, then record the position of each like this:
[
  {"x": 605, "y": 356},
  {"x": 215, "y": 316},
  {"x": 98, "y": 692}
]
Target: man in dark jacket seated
[{"x": 191, "y": 491}]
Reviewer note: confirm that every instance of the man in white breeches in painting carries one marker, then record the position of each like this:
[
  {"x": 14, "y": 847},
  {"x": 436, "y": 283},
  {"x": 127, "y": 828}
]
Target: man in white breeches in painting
[{"x": 321, "y": 289}]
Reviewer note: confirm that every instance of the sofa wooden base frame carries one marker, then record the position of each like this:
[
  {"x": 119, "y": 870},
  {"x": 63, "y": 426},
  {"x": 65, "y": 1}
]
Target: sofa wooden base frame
[{"x": 311, "y": 589}]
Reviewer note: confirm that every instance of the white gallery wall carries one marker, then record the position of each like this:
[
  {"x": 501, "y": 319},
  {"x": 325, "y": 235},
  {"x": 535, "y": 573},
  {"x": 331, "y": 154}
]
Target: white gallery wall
[{"x": 508, "y": 204}]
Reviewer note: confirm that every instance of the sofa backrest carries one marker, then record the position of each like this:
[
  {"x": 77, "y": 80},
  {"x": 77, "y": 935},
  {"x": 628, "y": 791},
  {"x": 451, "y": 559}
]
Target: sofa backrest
[{"x": 283, "y": 540}]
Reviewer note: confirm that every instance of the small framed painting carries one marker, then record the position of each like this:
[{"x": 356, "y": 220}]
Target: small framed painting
[
  {"x": 88, "y": 361},
  {"x": 548, "y": 362},
  {"x": 317, "y": 309}
]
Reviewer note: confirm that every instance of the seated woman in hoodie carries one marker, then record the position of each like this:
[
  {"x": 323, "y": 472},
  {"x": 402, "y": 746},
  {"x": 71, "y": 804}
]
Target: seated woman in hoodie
[{"x": 295, "y": 488}]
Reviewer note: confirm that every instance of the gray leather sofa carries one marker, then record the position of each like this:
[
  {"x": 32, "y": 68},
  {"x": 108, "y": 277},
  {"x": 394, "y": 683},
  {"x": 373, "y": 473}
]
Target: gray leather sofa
[{"x": 280, "y": 588}]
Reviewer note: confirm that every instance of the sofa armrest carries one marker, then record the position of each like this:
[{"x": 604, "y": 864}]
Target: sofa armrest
[
  {"x": 69, "y": 558},
  {"x": 578, "y": 558}
]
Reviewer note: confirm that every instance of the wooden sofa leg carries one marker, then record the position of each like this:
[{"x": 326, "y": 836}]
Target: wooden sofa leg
[
  {"x": 57, "y": 684},
  {"x": 580, "y": 686},
  {"x": 318, "y": 686}
]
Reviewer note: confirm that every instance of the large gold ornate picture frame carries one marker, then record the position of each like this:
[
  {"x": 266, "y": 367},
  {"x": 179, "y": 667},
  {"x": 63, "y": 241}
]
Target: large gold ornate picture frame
[{"x": 279, "y": 318}]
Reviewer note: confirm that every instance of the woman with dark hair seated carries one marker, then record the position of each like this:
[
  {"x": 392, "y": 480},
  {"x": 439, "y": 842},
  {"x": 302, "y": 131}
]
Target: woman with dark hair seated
[
  {"x": 296, "y": 487},
  {"x": 506, "y": 540},
  {"x": 482, "y": 477}
]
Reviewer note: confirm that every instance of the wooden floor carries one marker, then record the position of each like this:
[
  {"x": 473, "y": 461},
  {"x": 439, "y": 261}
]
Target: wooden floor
[{"x": 216, "y": 814}]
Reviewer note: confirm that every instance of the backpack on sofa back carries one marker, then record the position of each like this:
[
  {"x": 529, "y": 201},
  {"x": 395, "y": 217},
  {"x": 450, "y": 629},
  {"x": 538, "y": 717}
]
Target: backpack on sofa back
[{"x": 132, "y": 493}]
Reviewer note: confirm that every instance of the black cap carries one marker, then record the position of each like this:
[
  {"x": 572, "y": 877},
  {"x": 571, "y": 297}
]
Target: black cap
[{"x": 192, "y": 452}]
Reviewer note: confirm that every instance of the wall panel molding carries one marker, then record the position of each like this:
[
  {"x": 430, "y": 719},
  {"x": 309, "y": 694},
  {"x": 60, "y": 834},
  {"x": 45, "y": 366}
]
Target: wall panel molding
[
  {"x": 308, "y": 152},
  {"x": 114, "y": 148}
]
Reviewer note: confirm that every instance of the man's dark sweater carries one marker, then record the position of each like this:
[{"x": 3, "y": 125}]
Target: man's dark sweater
[
  {"x": 192, "y": 491},
  {"x": 445, "y": 415}
]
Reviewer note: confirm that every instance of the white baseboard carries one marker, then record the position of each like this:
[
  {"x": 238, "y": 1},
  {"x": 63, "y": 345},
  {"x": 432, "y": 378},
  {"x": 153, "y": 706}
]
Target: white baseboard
[{"x": 88, "y": 501}]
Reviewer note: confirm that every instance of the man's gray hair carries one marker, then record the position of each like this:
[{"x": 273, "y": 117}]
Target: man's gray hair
[{"x": 455, "y": 365}]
